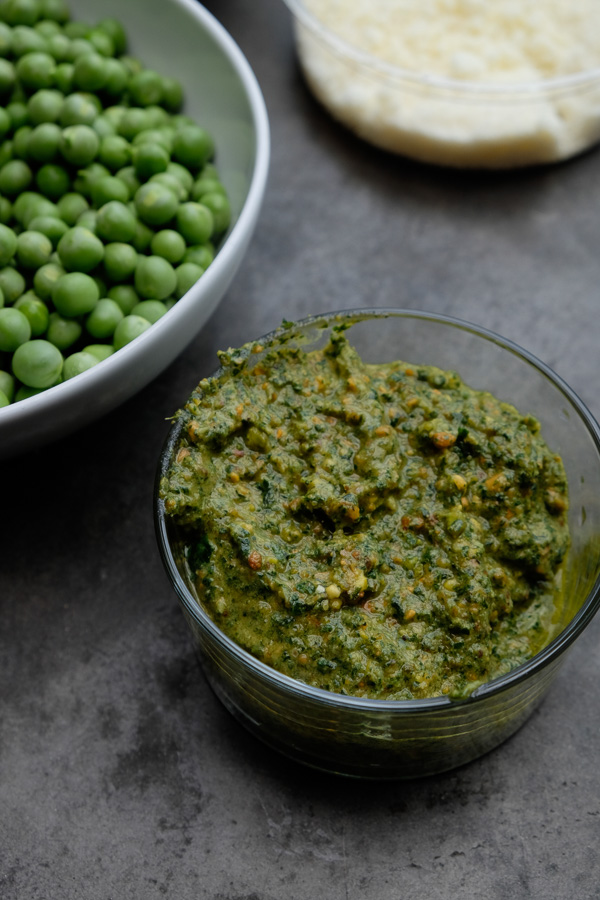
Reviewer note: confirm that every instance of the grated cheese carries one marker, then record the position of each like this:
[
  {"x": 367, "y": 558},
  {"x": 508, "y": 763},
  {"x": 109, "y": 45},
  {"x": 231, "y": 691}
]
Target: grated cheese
[{"x": 503, "y": 43}]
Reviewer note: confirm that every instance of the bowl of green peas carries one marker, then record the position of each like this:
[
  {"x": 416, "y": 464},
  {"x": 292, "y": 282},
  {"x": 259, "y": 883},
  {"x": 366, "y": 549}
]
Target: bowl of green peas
[{"x": 134, "y": 152}]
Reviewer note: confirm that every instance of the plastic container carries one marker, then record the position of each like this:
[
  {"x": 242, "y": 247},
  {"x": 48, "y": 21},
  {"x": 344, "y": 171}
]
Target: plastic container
[
  {"x": 404, "y": 739},
  {"x": 446, "y": 121}
]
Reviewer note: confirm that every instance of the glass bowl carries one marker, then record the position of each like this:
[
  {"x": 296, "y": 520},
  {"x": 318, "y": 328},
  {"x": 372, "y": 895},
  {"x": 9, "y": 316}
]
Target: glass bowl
[
  {"x": 447, "y": 121},
  {"x": 409, "y": 738}
]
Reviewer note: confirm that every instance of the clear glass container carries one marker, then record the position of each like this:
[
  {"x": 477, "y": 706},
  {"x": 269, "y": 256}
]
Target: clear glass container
[
  {"x": 405, "y": 739},
  {"x": 442, "y": 120}
]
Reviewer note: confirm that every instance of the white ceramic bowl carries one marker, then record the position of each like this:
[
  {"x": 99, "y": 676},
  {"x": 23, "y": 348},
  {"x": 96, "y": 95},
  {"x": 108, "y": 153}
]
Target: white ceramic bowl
[{"x": 181, "y": 39}]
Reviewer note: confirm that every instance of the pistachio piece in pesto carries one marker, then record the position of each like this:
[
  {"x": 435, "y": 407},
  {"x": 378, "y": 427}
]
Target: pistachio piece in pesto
[{"x": 381, "y": 531}]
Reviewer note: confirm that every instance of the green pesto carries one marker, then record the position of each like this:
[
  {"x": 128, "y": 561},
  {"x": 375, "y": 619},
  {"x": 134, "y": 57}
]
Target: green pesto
[{"x": 382, "y": 531}]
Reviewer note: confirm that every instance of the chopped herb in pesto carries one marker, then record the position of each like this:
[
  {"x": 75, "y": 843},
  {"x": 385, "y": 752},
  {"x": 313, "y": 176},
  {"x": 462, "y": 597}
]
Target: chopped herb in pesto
[{"x": 382, "y": 531}]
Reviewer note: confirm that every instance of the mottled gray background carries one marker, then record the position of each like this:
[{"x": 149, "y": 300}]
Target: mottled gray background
[{"x": 120, "y": 774}]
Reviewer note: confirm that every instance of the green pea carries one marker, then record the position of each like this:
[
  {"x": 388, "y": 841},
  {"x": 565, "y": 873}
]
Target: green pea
[
  {"x": 100, "y": 351},
  {"x": 38, "y": 363},
  {"x": 133, "y": 64},
  {"x": 150, "y": 159},
  {"x": 114, "y": 152},
  {"x": 14, "y": 329},
  {"x": 104, "y": 318},
  {"x": 172, "y": 95},
  {"x": 24, "y": 393},
  {"x": 128, "y": 329},
  {"x": 116, "y": 222},
  {"x": 169, "y": 244},
  {"x": 109, "y": 188},
  {"x": 21, "y": 141},
  {"x": 47, "y": 28},
  {"x": 182, "y": 174},
  {"x": 194, "y": 222},
  {"x": 80, "y": 250},
  {"x": 5, "y": 211},
  {"x": 35, "y": 311},
  {"x": 80, "y": 47},
  {"x": 88, "y": 219},
  {"x": 18, "y": 114},
  {"x": 125, "y": 295},
  {"x": 158, "y": 118},
  {"x": 29, "y": 205},
  {"x": 193, "y": 146},
  {"x": 117, "y": 78},
  {"x": 53, "y": 181},
  {"x": 36, "y": 70},
  {"x": 151, "y": 310},
  {"x": 102, "y": 42},
  {"x": 7, "y": 77},
  {"x": 88, "y": 176},
  {"x": 116, "y": 31},
  {"x": 162, "y": 136},
  {"x": 12, "y": 284},
  {"x": 63, "y": 77},
  {"x": 128, "y": 176},
  {"x": 187, "y": 274},
  {"x": 103, "y": 127},
  {"x": 77, "y": 363},
  {"x": 79, "y": 109},
  {"x": 6, "y": 152},
  {"x": 75, "y": 294},
  {"x": 26, "y": 40},
  {"x": 142, "y": 237},
  {"x": 56, "y": 10},
  {"x": 43, "y": 142},
  {"x": 45, "y": 106},
  {"x": 4, "y": 401},
  {"x": 71, "y": 206},
  {"x": 63, "y": 332},
  {"x": 45, "y": 278},
  {"x": 7, "y": 385},
  {"x": 155, "y": 204},
  {"x": 115, "y": 113},
  {"x": 120, "y": 261},
  {"x": 53, "y": 228},
  {"x": 90, "y": 72},
  {"x": 205, "y": 185},
  {"x": 218, "y": 204},
  {"x": 200, "y": 254},
  {"x": 146, "y": 88},
  {"x": 8, "y": 244},
  {"x": 59, "y": 46},
  {"x": 79, "y": 144},
  {"x": 172, "y": 182},
  {"x": 132, "y": 121},
  {"x": 155, "y": 278},
  {"x": 33, "y": 249},
  {"x": 5, "y": 40},
  {"x": 15, "y": 177}
]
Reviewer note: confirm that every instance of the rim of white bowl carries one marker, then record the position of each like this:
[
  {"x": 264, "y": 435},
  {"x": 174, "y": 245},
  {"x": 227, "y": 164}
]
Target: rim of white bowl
[
  {"x": 544, "y": 657},
  {"x": 524, "y": 90},
  {"x": 60, "y": 395}
]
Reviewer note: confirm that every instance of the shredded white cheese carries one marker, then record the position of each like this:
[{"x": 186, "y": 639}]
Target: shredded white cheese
[{"x": 503, "y": 43}]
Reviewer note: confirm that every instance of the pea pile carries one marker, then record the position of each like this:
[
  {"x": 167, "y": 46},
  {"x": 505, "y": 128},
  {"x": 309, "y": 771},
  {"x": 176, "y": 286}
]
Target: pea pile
[{"x": 110, "y": 204}]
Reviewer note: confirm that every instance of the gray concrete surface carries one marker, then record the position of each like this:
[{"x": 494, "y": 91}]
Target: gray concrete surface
[{"x": 121, "y": 776}]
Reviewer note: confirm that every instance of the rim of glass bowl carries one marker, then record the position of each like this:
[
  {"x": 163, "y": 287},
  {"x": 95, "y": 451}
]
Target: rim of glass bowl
[
  {"x": 543, "y": 658},
  {"x": 523, "y": 90}
]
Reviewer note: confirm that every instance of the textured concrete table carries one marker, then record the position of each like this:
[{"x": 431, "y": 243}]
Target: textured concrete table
[{"x": 121, "y": 776}]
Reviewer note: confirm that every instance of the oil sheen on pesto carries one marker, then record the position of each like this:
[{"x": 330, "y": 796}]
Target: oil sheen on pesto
[{"x": 383, "y": 531}]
